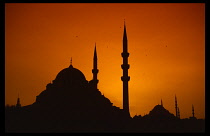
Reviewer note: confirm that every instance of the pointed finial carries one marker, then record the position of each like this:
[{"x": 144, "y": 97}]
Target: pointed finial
[
  {"x": 18, "y": 101},
  {"x": 95, "y": 54},
  {"x": 175, "y": 98},
  {"x": 124, "y": 33},
  {"x": 161, "y": 102},
  {"x": 95, "y": 46},
  {"x": 71, "y": 63}
]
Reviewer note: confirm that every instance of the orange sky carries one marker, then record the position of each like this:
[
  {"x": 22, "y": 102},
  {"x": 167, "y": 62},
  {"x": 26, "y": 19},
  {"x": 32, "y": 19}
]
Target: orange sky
[{"x": 166, "y": 43}]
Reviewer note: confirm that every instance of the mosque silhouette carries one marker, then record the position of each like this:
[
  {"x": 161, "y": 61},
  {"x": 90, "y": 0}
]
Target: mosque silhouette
[{"x": 72, "y": 104}]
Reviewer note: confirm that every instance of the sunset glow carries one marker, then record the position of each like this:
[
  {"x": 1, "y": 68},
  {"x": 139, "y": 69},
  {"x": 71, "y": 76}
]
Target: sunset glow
[{"x": 166, "y": 43}]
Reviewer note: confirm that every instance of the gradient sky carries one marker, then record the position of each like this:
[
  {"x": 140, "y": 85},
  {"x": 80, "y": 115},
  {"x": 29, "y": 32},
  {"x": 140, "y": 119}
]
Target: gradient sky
[{"x": 166, "y": 43}]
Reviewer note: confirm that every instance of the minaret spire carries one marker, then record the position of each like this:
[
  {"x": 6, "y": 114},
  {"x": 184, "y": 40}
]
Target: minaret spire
[
  {"x": 95, "y": 69},
  {"x": 125, "y": 41},
  {"x": 176, "y": 107},
  {"x": 125, "y": 78},
  {"x": 161, "y": 102},
  {"x": 71, "y": 63},
  {"x": 178, "y": 113},
  {"x": 95, "y": 58},
  {"x": 18, "y": 105},
  {"x": 193, "y": 113}
]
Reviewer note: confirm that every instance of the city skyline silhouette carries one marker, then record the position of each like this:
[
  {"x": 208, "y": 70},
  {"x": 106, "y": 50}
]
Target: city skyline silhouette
[
  {"x": 147, "y": 85},
  {"x": 72, "y": 104}
]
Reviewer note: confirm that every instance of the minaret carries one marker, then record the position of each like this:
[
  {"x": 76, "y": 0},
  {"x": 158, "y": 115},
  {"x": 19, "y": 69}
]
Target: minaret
[
  {"x": 178, "y": 112},
  {"x": 193, "y": 113},
  {"x": 161, "y": 102},
  {"x": 125, "y": 78},
  {"x": 95, "y": 70},
  {"x": 18, "y": 105},
  {"x": 176, "y": 107}
]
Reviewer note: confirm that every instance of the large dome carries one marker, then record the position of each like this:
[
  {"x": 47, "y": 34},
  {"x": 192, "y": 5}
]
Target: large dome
[
  {"x": 71, "y": 76},
  {"x": 68, "y": 84}
]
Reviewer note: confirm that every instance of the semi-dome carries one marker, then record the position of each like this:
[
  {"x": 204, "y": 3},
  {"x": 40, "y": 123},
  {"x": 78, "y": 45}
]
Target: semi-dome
[{"x": 71, "y": 76}]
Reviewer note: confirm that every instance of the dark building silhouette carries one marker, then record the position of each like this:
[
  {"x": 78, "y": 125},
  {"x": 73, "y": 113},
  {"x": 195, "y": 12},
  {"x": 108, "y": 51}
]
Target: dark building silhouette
[
  {"x": 70, "y": 103},
  {"x": 125, "y": 78},
  {"x": 161, "y": 120},
  {"x": 160, "y": 113}
]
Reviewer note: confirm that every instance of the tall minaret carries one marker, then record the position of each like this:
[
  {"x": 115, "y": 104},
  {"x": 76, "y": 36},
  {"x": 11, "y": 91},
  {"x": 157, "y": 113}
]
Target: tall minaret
[
  {"x": 178, "y": 113},
  {"x": 18, "y": 105},
  {"x": 193, "y": 113},
  {"x": 95, "y": 70},
  {"x": 176, "y": 107},
  {"x": 125, "y": 78}
]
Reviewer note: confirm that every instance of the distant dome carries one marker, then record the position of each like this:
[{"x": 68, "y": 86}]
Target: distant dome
[
  {"x": 71, "y": 76},
  {"x": 160, "y": 112},
  {"x": 159, "y": 109}
]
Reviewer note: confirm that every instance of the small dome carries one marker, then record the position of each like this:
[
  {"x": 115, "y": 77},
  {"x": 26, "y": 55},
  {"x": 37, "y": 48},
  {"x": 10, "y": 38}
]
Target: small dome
[{"x": 71, "y": 76}]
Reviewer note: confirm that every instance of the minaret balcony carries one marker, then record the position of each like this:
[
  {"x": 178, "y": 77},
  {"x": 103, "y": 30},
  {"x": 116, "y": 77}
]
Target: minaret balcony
[
  {"x": 95, "y": 81},
  {"x": 125, "y": 78},
  {"x": 95, "y": 71},
  {"x": 125, "y": 54},
  {"x": 125, "y": 66}
]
